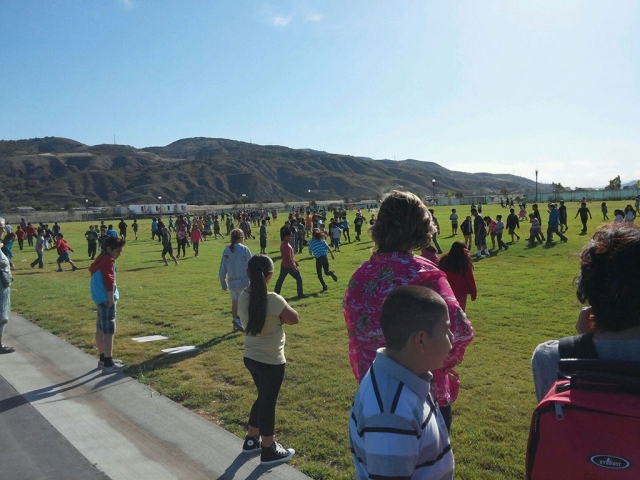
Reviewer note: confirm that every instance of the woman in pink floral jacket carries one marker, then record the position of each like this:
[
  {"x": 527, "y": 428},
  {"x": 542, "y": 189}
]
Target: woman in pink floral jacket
[{"x": 403, "y": 225}]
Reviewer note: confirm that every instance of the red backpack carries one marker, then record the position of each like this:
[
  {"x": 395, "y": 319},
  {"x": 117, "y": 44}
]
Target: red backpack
[{"x": 588, "y": 425}]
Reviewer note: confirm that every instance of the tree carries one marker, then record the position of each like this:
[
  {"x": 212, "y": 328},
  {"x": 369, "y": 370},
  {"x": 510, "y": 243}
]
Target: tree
[
  {"x": 557, "y": 187},
  {"x": 615, "y": 184},
  {"x": 459, "y": 194},
  {"x": 504, "y": 191},
  {"x": 346, "y": 199}
]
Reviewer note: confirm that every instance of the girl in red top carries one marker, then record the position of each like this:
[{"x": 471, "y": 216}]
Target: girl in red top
[
  {"x": 459, "y": 269},
  {"x": 20, "y": 234},
  {"x": 196, "y": 238}
]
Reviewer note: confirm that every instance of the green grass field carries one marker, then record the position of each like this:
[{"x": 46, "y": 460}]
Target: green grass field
[{"x": 526, "y": 296}]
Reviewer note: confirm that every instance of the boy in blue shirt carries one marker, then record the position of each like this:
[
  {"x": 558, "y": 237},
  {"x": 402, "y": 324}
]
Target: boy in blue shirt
[{"x": 396, "y": 429}]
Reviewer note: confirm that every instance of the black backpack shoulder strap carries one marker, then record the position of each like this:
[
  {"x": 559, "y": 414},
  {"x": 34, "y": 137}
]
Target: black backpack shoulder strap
[{"x": 580, "y": 346}]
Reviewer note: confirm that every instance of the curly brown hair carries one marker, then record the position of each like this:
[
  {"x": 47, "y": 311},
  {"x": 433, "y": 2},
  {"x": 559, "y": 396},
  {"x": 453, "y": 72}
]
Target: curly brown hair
[
  {"x": 609, "y": 279},
  {"x": 403, "y": 224}
]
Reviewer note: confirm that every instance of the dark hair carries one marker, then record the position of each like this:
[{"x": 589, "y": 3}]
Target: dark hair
[
  {"x": 114, "y": 242},
  {"x": 258, "y": 268},
  {"x": 609, "y": 280},
  {"x": 456, "y": 260},
  {"x": 407, "y": 310},
  {"x": 403, "y": 224},
  {"x": 315, "y": 233}
]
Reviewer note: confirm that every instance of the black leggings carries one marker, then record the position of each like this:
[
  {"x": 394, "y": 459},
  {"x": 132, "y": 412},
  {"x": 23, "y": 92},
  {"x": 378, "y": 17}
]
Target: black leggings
[
  {"x": 322, "y": 263},
  {"x": 268, "y": 379}
]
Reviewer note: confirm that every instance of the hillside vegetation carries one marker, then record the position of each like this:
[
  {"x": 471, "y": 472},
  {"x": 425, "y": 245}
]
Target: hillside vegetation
[{"x": 56, "y": 171}]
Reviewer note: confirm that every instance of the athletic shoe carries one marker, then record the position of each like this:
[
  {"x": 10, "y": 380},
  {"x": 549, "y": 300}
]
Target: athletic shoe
[
  {"x": 325, "y": 288},
  {"x": 275, "y": 454},
  {"x": 115, "y": 368},
  {"x": 74, "y": 268},
  {"x": 237, "y": 325},
  {"x": 252, "y": 444},
  {"x": 4, "y": 349},
  {"x": 333, "y": 275},
  {"x": 101, "y": 363}
]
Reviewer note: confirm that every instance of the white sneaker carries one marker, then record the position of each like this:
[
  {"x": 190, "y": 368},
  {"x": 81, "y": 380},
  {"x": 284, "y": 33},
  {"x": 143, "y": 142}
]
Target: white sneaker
[
  {"x": 115, "y": 368},
  {"x": 101, "y": 363}
]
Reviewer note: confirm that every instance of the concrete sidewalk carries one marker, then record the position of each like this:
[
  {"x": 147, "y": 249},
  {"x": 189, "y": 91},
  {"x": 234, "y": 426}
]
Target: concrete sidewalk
[{"x": 61, "y": 418}]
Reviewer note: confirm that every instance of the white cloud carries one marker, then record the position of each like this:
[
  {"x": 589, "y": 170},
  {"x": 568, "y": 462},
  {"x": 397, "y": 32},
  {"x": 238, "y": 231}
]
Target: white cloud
[
  {"x": 281, "y": 20},
  {"x": 127, "y": 4},
  {"x": 314, "y": 17}
]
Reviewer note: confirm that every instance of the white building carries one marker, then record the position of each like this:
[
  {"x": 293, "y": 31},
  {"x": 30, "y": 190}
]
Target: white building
[{"x": 158, "y": 209}]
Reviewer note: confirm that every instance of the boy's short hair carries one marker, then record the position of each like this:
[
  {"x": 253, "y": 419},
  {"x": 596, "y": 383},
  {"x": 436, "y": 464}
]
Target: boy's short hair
[
  {"x": 407, "y": 310},
  {"x": 114, "y": 242}
]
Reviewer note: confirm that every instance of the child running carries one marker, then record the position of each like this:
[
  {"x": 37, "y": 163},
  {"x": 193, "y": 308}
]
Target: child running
[
  {"x": 104, "y": 292},
  {"x": 584, "y": 212},
  {"x": 512, "y": 224},
  {"x": 318, "y": 248},
  {"x": 336, "y": 233},
  {"x": 262, "y": 314},
  {"x": 167, "y": 248},
  {"x": 63, "y": 250},
  {"x": 535, "y": 232},
  {"x": 499, "y": 232},
  {"x": 395, "y": 428},
  {"x": 196, "y": 238}
]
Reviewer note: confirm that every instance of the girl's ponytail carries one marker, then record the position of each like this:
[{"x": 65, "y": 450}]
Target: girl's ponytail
[{"x": 259, "y": 267}]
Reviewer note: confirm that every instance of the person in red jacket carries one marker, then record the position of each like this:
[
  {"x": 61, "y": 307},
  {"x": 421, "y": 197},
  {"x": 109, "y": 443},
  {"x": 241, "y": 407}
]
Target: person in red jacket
[{"x": 459, "y": 269}]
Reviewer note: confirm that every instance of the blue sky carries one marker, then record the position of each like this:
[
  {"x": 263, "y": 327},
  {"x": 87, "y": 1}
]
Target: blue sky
[{"x": 497, "y": 86}]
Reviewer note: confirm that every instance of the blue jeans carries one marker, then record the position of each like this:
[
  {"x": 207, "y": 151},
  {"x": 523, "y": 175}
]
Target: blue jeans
[
  {"x": 38, "y": 261},
  {"x": 295, "y": 273},
  {"x": 554, "y": 229}
]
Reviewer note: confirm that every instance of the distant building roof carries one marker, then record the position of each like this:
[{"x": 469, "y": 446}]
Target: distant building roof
[{"x": 24, "y": 209}]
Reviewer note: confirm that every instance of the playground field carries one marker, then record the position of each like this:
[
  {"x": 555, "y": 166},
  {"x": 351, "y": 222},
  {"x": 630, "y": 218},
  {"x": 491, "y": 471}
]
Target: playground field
[{"x": 525, "y": 296}]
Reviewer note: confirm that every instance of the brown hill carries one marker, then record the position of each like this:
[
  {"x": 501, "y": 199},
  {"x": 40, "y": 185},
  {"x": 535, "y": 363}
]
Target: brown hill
[{"x": 58, "y": 171}]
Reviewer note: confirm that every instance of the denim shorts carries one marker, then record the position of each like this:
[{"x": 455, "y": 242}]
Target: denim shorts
[
  {"x": 106, "y": 318},
  {"x": 63, "y": 258}
]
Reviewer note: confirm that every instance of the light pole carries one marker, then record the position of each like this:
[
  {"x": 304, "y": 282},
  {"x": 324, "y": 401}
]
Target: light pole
[
  {"x": 309, "y": 191},
  {"x": 433, "y": 183},
  {"x": 244, "y": 198},
  {"x": 536, "y": 185},
  {"x": 160, "y": 202}
]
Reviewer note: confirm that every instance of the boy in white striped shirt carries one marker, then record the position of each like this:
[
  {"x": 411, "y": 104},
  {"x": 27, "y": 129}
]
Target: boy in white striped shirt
[{"x": 396, "y": 429}]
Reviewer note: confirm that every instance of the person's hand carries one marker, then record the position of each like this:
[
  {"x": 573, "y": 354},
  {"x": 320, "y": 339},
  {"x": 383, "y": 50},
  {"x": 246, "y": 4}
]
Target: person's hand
[{"x": 585, "y": 321}]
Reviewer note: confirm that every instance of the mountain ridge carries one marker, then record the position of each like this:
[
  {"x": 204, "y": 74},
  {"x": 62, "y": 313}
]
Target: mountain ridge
[{"x": 56, "y": 170}]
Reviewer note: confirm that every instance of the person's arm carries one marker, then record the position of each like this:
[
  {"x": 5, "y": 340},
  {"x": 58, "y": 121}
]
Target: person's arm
[
  {"x": 222, "y": 273},
  {"x": 589, "y": 212},
  {"x": 108, "y": 279},
  {"x": 471, "y": 284},
  {"x": 577, "y": 213},
  {"x": 289, "y": 316}
]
